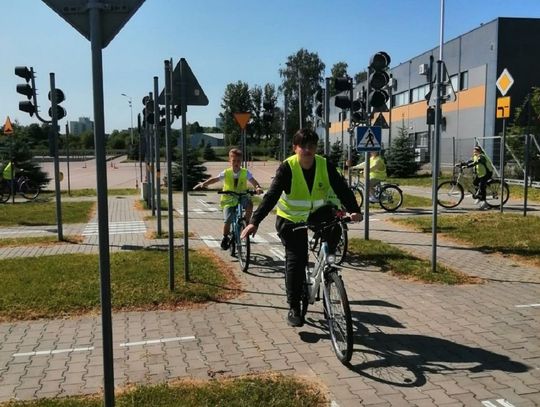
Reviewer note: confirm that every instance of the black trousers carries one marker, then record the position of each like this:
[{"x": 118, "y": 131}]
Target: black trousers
[
  {"x": 481, "y": 184},
  {"x": 296, "y": 255}
]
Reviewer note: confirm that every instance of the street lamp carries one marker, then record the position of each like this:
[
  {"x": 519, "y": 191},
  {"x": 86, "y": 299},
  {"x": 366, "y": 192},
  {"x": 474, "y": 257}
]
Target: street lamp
[{"x": 130, "y": 99}]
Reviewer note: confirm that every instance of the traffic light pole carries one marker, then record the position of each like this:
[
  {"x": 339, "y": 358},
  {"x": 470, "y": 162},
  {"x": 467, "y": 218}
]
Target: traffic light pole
[
  {"x": 183, "y": 110},
  {"x": 327, "y": 117},
  {"x": 167, "y": 92},
  {"x": 54, "y": 130},
  {"x": 156, "y": 155}
]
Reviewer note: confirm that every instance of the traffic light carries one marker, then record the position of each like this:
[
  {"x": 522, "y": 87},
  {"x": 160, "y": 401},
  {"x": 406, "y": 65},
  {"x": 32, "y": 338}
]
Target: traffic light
[
  {"x": 55, "y": 103},
  {"x": 148, "y": 110},
  {"x": 378, "y": 80},
  {"x": 162, "y": 121},
  {"x": 341, "y": 85},
  {"x": 319, "y": 103},
  {"x": 268, "y": 114},
  {"x": 26, "y": 89}
]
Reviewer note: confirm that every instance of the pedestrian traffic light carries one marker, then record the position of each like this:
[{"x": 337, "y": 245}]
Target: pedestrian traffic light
[
  {"x": 268, "y": 114},
  {"x": 378, "y": 80},
  {"x": 59, "y": 97},
  {"x": 318, "y": 109},
  {"x": 26, "y": 89},
  {"x": 341, "y": 85}
]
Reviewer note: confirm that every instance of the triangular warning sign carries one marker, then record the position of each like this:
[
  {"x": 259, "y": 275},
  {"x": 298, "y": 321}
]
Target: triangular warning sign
[
  {"x": 8, "y": 128},
  {"x": 242, "y": 119},
  {"x": 381, "y": 121}
]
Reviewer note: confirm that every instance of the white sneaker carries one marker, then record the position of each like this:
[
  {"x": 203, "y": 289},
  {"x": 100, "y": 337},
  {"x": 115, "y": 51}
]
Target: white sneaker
[
  {"x": 484, "y": 206},
  {"x": 477, "y": 201}
]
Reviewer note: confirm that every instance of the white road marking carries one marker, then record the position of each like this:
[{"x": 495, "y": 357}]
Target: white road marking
[
  {"x": 210, "y": 241},
  {"x": 278, "y": 253},
  {"x": 334, "y": 404},
  {"x": 258, "y": 239},
  {"x": 197, "y": 210},
  {"x": 527, "y": 305},
  {"x": 116, "y": 228},
  {"x": 207, "y": 206},
  {"x": 23, "y": 231},
  {"x": 53, "y": 352},
  {"x": 497, "y": 403},
  {"x": 153, "y": 341}
]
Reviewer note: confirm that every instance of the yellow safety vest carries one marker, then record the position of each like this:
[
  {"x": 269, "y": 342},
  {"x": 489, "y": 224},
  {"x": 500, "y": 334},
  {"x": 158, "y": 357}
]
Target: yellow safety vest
[
  {"x": 228, "y": 185},
  {"x": 6, "y": 174},
  {"x": 482, "y": 167},
  {"x": 299, "y": 203},
  {"x": 377, "y": 168}
]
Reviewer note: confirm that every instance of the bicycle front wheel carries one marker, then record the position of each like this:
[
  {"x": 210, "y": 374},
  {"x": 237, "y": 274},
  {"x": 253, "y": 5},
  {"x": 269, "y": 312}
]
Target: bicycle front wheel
[
  {"x": 243, "y": 247},
  {"x": 29, "y": 190},
  {"x": 449, "y": 194},
  {"x": 343, "y": 244},
  {"x": 5, "y": 192},
  {"x": 338, "y": 316},
  {"x": 493, "y": 193},
  {"x": 359, "y": 195},
  {"x": 390, "y": 198}
]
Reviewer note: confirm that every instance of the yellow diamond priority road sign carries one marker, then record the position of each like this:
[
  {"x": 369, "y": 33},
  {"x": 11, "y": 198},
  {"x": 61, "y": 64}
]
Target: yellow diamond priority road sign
[{"x": 504, "y": 82}]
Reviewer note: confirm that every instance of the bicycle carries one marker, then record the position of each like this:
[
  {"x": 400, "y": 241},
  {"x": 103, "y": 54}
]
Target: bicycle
[
  {"x": 389, "y": 196},
  {"x": 342, "y": 247},
  {"x": 335, "y": 302},
  {"x": 238, "y": 247},
  {"x": 23, "y": 186},
  {"x": 451, "y": 193}
]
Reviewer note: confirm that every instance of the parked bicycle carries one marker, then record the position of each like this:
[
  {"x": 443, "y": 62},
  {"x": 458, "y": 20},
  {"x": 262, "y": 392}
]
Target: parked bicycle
[
  {"x": 335, "y": 302},
  {"x": 451, "y": 193},
  {"x": 389, "y": 196},
  {"x": 241, "y": 248},
  {"x": 23, "y": 186}
]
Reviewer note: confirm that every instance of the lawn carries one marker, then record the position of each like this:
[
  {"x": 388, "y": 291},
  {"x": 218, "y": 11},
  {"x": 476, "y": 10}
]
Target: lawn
[
  {"x": 508, "y": 234},
  {"x": 56, "y": 286},
  {"x": 44, "y": 213},
  {"x": 401, "y": 264},
  {"x": 263, "y": 390}
]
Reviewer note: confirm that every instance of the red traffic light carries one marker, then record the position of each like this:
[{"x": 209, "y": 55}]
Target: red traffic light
[
  {"x": 379, "y": 61},
  {"x": 24, "y": 72},
  {"x": 27, "y": 107}
]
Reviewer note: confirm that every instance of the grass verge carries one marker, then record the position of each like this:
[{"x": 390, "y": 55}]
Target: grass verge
[
  {"x": 56, "y": 286},
  {"x": 507, "y": 234},
  {"x": 401, "y": 264},
  {"x": 44, "y": 213},
  {"x": 262, "y": 390},
  {"x": 38, "y": 241}
]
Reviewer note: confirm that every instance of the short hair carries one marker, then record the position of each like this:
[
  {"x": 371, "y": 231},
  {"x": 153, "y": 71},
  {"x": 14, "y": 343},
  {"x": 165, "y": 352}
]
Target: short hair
[
  {"x": 235, "y": 152},
  {"x": 478, "y": 148},
  {"x": 305, "y": 137}
]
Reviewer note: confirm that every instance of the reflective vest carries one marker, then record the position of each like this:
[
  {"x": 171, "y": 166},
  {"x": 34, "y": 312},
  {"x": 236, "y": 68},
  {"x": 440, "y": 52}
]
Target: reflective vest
[
  {"x": 228, "y": 201},
  {"x": 6, "y": 174},
  {"x": 299, "y": 203},
  {"x": 377, "y": 168},
  {"x": 482, "y": 165}
]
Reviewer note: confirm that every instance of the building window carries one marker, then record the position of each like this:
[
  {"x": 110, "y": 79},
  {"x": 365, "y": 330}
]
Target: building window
[
  {"x": 401, "y": 99},
  {"x": 464, "y": 80},
  {"x": 421, "y": 139},
  {"x": 419, "y": 93},
  {"x": 454, "y": 82}
]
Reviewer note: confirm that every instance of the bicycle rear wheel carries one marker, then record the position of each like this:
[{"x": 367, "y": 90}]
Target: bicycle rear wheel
[
  {"x": 359, "y": 195},
  {"x": 338, "y": 316},
  {"x": 243, "y": 247},
  {"x": 5, "y": 192},
  {"x": 390, "y": 197},
  {"x": 493, "y": 193},
  {"x": 449, "y": 194},
  {"x": 29, "y": 190},
  {"x": 343, "y": 244}
]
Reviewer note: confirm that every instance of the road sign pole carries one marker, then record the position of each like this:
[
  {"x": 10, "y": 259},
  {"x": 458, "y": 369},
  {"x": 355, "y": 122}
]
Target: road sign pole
[
  {"x": 54, "y": 129},
  {"x": 502, "y": 151},
  {"x": 366, "y": 195},
  {"x": 103, "y": 216},
  {"x": 157, "y": 155},
  {"x": 183, "y": 109},
  {"x": 168, "y": 148}
]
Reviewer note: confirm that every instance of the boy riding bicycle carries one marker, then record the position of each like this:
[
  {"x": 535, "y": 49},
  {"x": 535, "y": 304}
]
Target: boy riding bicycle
[
  {"x": 234, "y": 179},
  {"x": 483, "y": 170}
]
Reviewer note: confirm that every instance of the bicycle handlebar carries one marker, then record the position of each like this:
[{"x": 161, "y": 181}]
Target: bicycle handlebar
[
  {"x": 238, "y": 194},
  {"x": 319, "y": 227}
]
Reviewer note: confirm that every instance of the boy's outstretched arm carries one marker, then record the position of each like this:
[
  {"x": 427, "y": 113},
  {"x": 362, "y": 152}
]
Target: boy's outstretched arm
[{"x": 204, "y": 184}]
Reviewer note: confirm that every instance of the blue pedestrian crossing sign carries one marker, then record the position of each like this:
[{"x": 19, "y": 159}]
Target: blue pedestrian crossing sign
[{"x": 368, "y": 138}]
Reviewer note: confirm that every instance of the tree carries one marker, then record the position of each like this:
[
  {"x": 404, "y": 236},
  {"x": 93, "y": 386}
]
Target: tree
[
  {"x": 272, "y": 128},
  {"x": 302, "y": 74},
  {"x": 336, "y": 154},
  {"x": 339, "y": 70},
  {"x": 208, "y": 153},
  {"x": 360, "y": 77},
  {"x": 400, "y": 157},
  {"x": 236, "y": 98},
  {"x": 196, "y": 171}
]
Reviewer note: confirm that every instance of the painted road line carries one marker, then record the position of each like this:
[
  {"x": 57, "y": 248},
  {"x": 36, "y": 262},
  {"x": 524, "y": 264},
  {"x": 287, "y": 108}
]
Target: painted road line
[
  {"x": 23, "y": 232},
  {"x": 207, "y": 206},
  {"x": 278, "y": 253},
  {"x": 54, "y": 352},
  {"x": 497, "y": 403},
  {"x": 154, "y": 341},
  {"x": 258, "y": 239},
  {"x": 210, "y": 241},
  {"x": 527, "y": 305},
  {"x": 197, "y": 210},
  {"x": 116, "y": 228},
  {"x": 275, "y": 236}
]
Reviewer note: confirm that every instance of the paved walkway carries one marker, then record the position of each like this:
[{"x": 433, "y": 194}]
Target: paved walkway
[{"x": 416, "y": 344}]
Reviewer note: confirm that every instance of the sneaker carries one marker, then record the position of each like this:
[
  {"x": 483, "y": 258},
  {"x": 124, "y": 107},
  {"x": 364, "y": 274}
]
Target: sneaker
[
  {"x": 225, "y": 243},
  {"x": 484, "y": 206},
  {"x": 372, "y": 200},
  {"x": 477, "y": 201},
  {"x": 294, "y": 317}
]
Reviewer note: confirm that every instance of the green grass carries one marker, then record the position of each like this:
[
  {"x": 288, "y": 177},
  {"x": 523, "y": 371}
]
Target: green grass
[
  {"x": 507, "y": 234},
  {"x": 414, "y": 201},
  {"x": 391, "y": 259},
  {"x": 91, "y": 192},
  {"x": 268, "y": 391},
  {"x": 516, "y": 192},
  {"x": 44, "y": 213},
  {"x": 37, "y": 240},
  {"x": 419, "y": 180},
  {"x": 54, "y": 286}
]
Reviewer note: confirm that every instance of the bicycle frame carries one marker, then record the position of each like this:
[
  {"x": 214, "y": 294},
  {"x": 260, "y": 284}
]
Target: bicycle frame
[{"x": 316, "y": 277}]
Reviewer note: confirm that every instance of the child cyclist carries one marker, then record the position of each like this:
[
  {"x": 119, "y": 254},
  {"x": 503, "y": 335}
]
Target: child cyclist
[{"x": 234, "y": 179}]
